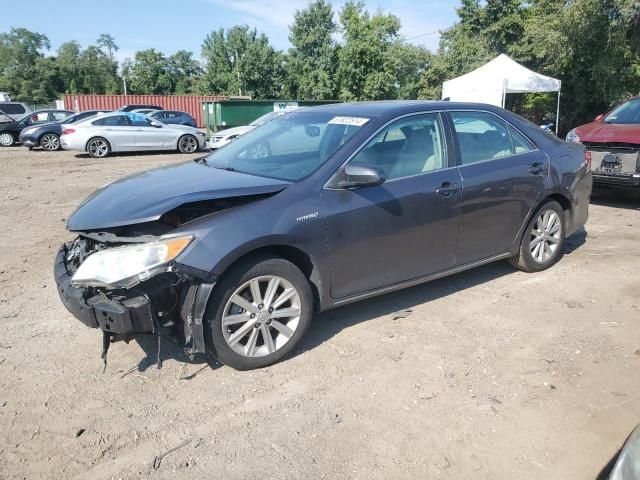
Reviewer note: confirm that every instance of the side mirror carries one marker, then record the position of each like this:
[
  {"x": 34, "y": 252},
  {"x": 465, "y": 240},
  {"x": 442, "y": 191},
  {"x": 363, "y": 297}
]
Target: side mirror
[
  {"x": 312, "y": 130},
  {"x": 156, "y": 124},
  {"x": 599, "y": 118},
  {"x": 358, "y": 175}
]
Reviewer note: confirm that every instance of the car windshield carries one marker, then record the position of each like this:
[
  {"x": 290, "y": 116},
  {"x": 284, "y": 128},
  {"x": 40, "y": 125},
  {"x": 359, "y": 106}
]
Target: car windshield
[
  {"x": 266, "y": 118},
  {"x": 626, "y": 113},
  {"x": 288, "y": 148}
]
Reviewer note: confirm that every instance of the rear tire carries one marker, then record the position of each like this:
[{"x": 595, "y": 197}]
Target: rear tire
[
  {"x": 7, "y": 139},
  {"x": 259, "y": 313},
  {"x": 188, "y": 144},
  {"x": 50, "y": 142},
  {"x": 98, "y": 147},
  {"x": 542, "y": 244}
]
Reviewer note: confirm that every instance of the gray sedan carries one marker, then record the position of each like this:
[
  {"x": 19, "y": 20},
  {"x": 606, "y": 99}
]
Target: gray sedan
[{"x": 316, "y": 209}]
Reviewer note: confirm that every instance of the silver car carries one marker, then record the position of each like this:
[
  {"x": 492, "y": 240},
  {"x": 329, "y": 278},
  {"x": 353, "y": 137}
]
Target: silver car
[{"x": 128, "y": 132}]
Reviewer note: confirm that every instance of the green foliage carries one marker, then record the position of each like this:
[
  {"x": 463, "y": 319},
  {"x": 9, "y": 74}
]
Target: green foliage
[
  {"x": 241, "y": 62},
  {"x": 311, "y": 63},
  {"x": 365, "y": 71},
  {"x": 593, "y": 46}
]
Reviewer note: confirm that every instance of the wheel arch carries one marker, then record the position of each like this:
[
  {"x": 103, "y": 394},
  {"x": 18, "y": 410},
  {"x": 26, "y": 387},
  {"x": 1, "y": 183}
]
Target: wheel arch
[
  {"x": 301, "y": 259},
  {"x": 565, "y": 202}
]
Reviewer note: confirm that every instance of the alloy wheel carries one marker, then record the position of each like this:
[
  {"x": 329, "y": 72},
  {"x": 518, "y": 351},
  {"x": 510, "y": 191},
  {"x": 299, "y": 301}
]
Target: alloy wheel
[
  {"x": 545, "y": 236},
  {"x": 261, "y": 316},
  {"x": 98, "y": 148},
  {"x": 6, "y": 139},
  {"x": 188, "y": 144},
  {"x": 50, "y": 142}
]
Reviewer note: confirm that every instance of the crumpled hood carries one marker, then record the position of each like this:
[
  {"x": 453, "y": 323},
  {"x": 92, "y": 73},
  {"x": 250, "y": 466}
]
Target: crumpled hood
[
  {"x": 601, "y": 132},
  {"x": 145, "y": 196}
]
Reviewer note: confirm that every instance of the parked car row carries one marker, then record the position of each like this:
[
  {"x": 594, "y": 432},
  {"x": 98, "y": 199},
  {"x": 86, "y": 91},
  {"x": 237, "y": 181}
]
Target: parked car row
[
  {"x": 613, "y": 143},
  {"x": 99, "y": 132}
]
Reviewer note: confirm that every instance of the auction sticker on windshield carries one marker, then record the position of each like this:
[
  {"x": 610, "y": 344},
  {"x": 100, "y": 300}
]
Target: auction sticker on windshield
[{"x": 355, "y": 121}]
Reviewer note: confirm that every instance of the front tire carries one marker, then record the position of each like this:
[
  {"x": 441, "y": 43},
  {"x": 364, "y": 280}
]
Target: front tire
[
  {"x": 188, "y": 144},
  {"x": 50, "y": 142},
  {"x": 7, "y": 139},
  {"x": 259, "y": 313},
  {"x": 98, "y": 147},
  {"x": 542, "y": 244}
]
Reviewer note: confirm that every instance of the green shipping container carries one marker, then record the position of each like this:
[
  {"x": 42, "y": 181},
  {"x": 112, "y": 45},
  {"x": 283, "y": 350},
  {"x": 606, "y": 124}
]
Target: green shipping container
[{"x": 219, "y": 115}]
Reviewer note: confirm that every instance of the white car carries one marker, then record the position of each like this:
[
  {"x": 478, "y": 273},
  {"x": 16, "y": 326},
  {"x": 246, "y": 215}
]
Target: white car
[
  {"x": 128, "y": 132},
  {"x": 222, "y": 138}
]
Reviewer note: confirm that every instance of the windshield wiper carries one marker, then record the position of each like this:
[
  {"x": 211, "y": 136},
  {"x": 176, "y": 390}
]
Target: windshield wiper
[{"x": 220, "y": 167}]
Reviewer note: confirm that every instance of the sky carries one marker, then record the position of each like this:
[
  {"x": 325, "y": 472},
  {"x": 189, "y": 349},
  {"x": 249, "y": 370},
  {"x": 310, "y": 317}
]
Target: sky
[{"x": 170, "y": 25}]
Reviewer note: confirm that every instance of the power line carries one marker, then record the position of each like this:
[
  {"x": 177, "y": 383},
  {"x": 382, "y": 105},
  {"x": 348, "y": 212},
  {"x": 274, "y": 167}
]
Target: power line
[{"x": 422, "y": 35}]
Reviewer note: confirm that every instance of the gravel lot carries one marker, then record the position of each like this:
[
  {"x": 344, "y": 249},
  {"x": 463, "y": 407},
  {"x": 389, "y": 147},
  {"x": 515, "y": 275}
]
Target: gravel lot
[{"x": 495, "y": 373}]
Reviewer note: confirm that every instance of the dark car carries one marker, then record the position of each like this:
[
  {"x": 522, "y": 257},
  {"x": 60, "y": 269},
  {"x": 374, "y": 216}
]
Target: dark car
[
  {"x": 130, "y": 108},
  {"x": 613, "y": 140},
  {"x": 174, "y": 117},
  {"x": 319, "y": 208},
  {"x": 10, "y": 111},
  {"x": 47, "y": 135},
  {"x": 10, "y": 132}
]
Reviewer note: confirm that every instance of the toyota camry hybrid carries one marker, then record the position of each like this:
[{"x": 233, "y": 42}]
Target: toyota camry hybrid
[{"x": 325, "y": 206}]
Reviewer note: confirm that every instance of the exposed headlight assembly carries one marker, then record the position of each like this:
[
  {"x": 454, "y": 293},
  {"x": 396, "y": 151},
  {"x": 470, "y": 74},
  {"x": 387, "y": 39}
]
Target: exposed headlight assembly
[
  {"x": 124, "y": 267},
  {"x": 572, "y": 136}
]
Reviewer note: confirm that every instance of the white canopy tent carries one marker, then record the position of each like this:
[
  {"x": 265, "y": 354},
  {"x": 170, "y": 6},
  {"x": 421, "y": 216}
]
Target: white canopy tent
[{"x": 491, "y": 82}]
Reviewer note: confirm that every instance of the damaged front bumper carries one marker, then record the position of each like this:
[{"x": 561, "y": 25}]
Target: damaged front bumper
[{"x": 158, "y": 306}]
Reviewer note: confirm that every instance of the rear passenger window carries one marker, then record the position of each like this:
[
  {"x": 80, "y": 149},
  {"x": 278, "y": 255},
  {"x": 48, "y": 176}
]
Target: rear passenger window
[
  {"x": 521, "y": 143},
  {"x": 408, "y": 147},
  {"x": 115, "y": 121},
  {"x": 481, "y": 136}
]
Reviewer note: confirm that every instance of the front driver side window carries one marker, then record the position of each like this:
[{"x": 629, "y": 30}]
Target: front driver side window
[{"x": 410, "y": 146}]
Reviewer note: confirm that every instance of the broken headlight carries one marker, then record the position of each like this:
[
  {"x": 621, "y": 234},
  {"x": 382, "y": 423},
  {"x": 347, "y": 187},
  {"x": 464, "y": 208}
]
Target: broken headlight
[{"x": 123, "y": 267}]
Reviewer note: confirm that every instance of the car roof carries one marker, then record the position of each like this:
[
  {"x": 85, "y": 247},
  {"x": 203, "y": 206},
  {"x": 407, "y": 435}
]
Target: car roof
[
  {"x": 51, "y": 110},
  {"x": 395, "y": 107}
]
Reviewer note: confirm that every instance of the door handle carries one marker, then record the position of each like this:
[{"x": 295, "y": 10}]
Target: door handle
[
  {"x": 447, "y": 189},
  {"x": 536, "y": 168}
]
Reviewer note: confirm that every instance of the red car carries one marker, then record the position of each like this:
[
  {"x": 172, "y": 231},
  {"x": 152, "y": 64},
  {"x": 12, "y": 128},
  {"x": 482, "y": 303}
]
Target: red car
[{"x": 614, "y": 142}]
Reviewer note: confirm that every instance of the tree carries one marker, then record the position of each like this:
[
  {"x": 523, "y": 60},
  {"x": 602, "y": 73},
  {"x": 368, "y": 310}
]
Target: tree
[
  {"x": 150, "y": 74},
  {"x": 185, "y": 72},
  {"x": 241, "y": 62},
  {"x": 364, "y": 70},
  {"x": 108, "y": 43},
  {"x": 408, "y": 63},
  {"x": 23, "y": 69},
  {"x": 311, "y": 62}
]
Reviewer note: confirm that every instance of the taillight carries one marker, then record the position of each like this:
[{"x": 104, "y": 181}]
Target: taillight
[
  {"x": 68, "y": 131},
  {"x": 587, "y": 158}
]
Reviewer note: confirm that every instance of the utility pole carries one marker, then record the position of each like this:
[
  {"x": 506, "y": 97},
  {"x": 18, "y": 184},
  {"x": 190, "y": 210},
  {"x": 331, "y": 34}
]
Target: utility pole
[
  {"x": 124, "y": 81},
  {"x": 238, "y": 71}
]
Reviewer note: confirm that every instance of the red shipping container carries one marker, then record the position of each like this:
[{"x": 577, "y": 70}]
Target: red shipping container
[{"x": 192, "y": 104}]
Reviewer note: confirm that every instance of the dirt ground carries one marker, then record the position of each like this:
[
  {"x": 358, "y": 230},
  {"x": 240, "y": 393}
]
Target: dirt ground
[{"x": 494, "y": 374}]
